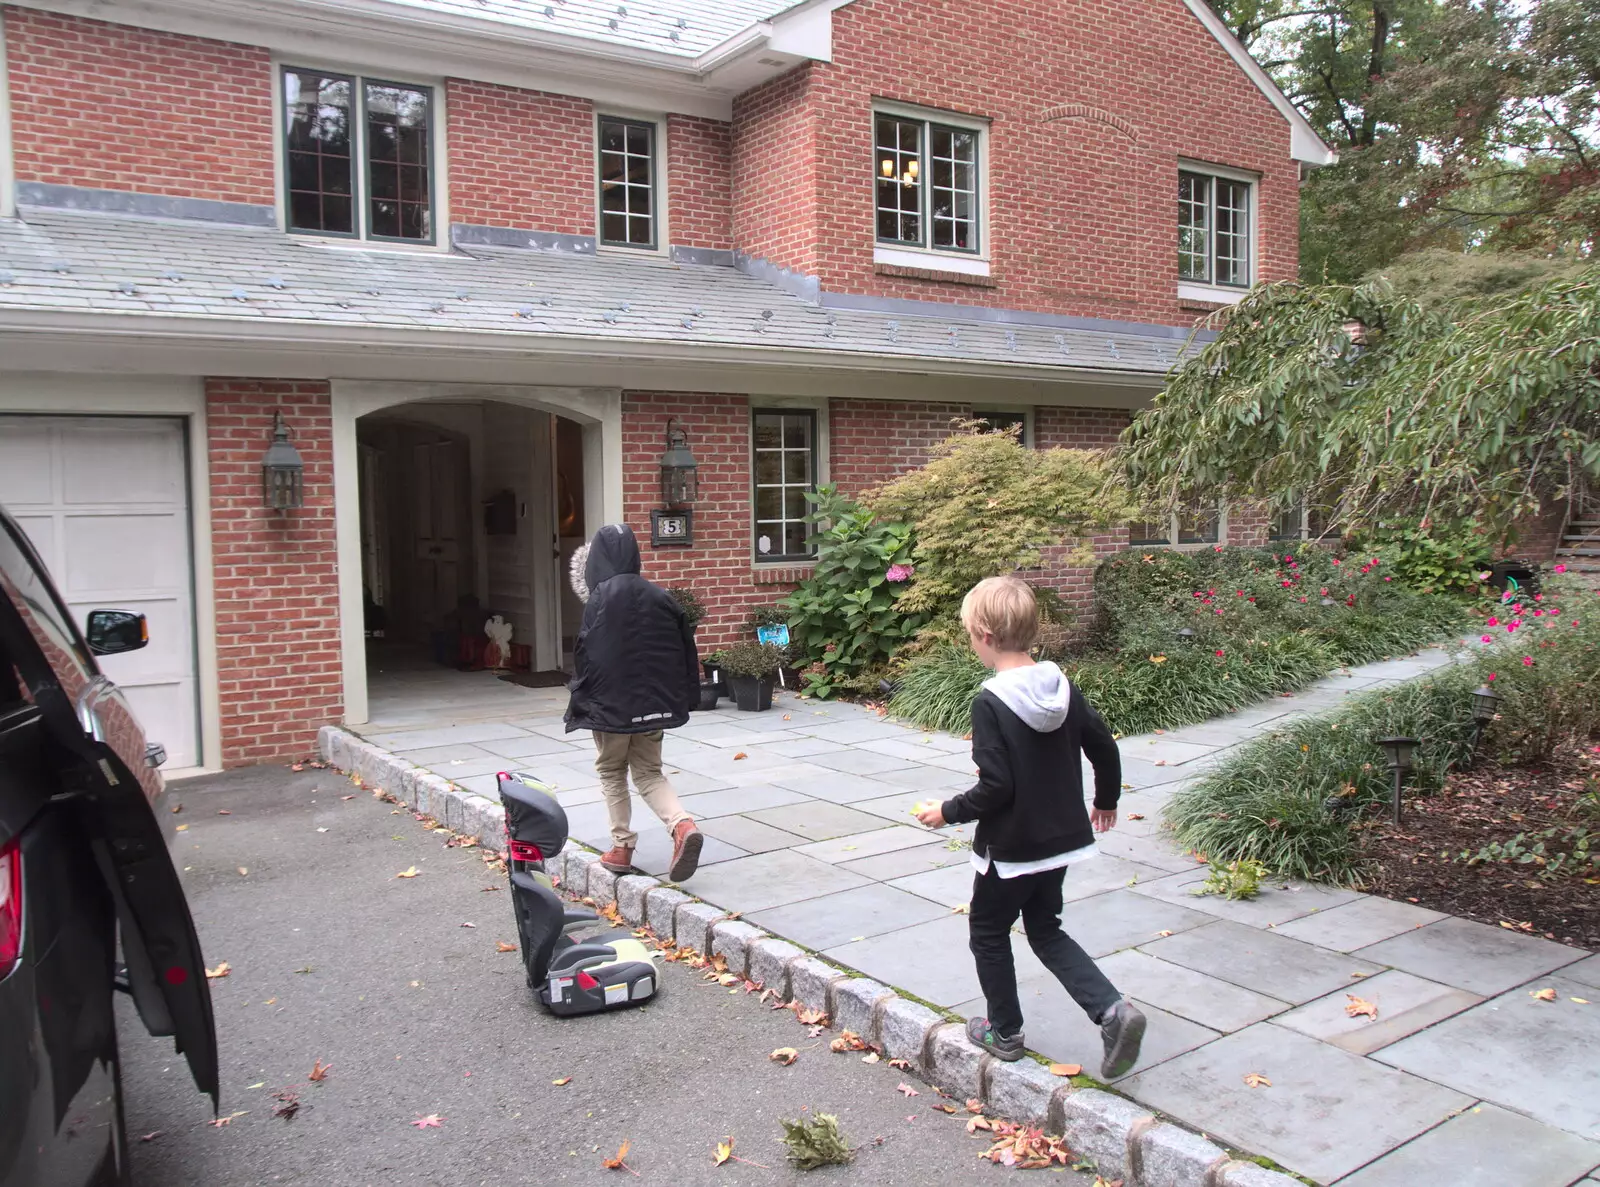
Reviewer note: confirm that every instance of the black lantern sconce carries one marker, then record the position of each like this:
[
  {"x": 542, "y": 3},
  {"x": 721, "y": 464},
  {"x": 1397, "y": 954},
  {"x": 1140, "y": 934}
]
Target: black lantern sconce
[
  {"x": 282, "y": 472},
  {"x": 1402, "y": 758},
  {"x": 680, "y": 487},
  {"x": 1484, "y": 702}
]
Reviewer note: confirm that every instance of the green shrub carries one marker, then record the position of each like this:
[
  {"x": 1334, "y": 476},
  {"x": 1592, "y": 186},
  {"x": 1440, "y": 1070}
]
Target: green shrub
[
  {"x": 693, "y": 608},
  {"x": 935, "y": 690},
  {"x": 1431, "y": 556},
  {"x": 751, "y": 659},
  {"x": 843, "y": 618}
]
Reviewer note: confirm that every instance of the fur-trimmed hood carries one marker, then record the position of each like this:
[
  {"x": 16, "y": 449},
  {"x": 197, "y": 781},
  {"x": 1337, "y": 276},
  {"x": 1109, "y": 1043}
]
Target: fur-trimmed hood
[{"x": 575, "y": 568}]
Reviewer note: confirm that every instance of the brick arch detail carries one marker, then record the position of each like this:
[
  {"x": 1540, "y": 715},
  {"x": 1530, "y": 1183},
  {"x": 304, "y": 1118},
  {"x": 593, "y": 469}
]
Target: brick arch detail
[{"x": 1067, "y": 111}]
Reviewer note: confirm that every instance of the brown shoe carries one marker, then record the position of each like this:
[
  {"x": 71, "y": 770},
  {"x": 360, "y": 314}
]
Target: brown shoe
[
  {"x": 618, "y": 860},
  {"x": 686, "y": 843}
]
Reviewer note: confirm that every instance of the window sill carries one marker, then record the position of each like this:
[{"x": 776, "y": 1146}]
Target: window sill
[
  {"x": 781, "y": 572},
  {"x": 950, "y": 262},
  {"x": 379, "y": 247},
  {"x": 1209, "y": 295}
]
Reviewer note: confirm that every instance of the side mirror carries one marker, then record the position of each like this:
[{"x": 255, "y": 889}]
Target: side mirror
[{"x": 111, "y": 632}]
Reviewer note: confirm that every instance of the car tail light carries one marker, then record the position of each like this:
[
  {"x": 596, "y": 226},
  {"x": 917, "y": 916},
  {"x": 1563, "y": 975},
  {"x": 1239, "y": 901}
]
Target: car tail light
[{"x": 10, "y": 907}]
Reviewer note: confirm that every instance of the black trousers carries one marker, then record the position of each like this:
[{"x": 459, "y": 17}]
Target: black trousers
[{"x": 996, "y": 903}]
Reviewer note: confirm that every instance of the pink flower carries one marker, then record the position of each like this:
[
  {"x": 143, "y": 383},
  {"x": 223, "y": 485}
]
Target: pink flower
[
  {"x": 1335, "y": 560},
  {"x": 1538, "y": 597},
  {"x": 1493, "y": 676},
  {"x": 1511, "y": 626},
  {"x": 1289, "y": 556},
  {"x": 1219, "y": 653},
  {"x": 1388, "y": 578},
  {"x": 1487, "y": 639},
  {"x": 1216, "y": 548},
  {"x": 1553, "y": 611},
  {"x": 1537, "y": 612},
  {"x": 1302, "y": 599},
  {"x": 1493, "y": 621},
  {"x": 1323, "y": 591},
  {"x": 1527, "y": 661},
  {"x": 1517, "y": 609},
  {"x": 899, "y": 573},
  {"x": 1561, "y": 568},
  {"x": 1286, "y": 585}
]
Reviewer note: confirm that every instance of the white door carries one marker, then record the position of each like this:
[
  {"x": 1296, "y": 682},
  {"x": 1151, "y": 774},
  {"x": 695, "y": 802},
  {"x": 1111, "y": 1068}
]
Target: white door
[
  {"x": 105, "y": 500},
  {"x": 439, "y": 479}
]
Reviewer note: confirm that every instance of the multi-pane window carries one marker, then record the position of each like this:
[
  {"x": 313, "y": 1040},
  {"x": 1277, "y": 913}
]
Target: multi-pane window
[
  {"x": 358, "y": 156},
  {"x": 1002, "y": 422},
  {"x": 1186, "y": 527},
  {"x": 927, "y": 184},
  {"x": 785, "y": 445},
  {"x": 627, "y": 183},
  {"x": 1299, "y": 522},
  {"x": 1213, "y": 229}
]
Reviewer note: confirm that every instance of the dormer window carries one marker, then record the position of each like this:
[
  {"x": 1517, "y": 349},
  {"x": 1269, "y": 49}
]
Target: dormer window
[{"x": 628, "y": 191}]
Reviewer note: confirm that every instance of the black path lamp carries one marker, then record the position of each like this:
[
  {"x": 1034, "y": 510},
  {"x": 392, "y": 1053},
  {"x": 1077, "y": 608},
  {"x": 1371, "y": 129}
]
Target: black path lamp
[
  {"x": 1328, "y": 603},
  {"x": 1185, "y": 635},
  {"x": 1484, "y": 702},
  {"x": 1402, "y": 758},
  {"x": 282, "y": 471},
  {"x": 680, "y": 474}
]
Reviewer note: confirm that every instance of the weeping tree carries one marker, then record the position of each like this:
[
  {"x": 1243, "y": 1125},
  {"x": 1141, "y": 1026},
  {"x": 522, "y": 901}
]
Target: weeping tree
[{"x": 1363, "y": 402}]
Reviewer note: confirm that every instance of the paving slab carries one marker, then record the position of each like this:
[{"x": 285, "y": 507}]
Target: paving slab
[
  {"x": 897, "y": 806},
  {"x": 710, "y": 804},
  {"x": 915, "y": 749},
  {"x": 770, "y": 880},
  {"x": 867, "y": 844},
  {"x": 750, "y": 835},
  {"x": 1325, "y": 1113},
  {"x": 1520, "y": 1052},
  {"x": 1208, "y": 1001},
  {"x": 1406, "y": 1004},
  {"x": 850, "y": 915},
  {"x": 1277, "y": 902},
  {"x": 446, "y": 735},
  {"x": 1586, "y": 970},
  {"x": 816, "y": 820},
  {"x": 1103, "y": 872},
  {"x": 1483, "y": 1147},
  {"x": 1356, "y": 924},
  {"x": 798, "y": 747},
  {"x": 1260, "y": 960},
  {"x": 840, "y": 787},
  {"x": 535, "y": 745},
  {"x": 862, "y": 729},
  {"x": 457, "y": 769},
  {"x": 653, "y": 853},
  {"x": 1471, "y": 956},
  {"x": 930, "y": 960},
  {"x": 1163, "y": 749},
  {"x": 1056, "y": 1027},
  {"x": 430, "y": 755},
  {"x": 886, "y": 867},
  {"x": 858, "y": 762},
  {"x": 1118, "y": 919},
  {"x": 1150, "y": 851},
  {"x": 934, "y": 781},
  {"x": 950, "y": 886}
]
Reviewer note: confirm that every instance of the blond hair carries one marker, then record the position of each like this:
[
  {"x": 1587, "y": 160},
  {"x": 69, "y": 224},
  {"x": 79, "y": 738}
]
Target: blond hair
[{"x": 1005, "y": 608}]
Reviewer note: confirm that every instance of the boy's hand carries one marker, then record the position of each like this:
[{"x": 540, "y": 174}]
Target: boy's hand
[
  {"x": 933, "y": 816},
  {"x": 1103, "y": 821}
]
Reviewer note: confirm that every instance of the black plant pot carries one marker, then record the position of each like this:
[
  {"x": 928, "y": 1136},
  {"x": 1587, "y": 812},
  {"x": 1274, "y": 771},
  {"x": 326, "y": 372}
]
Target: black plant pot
[
  {"x": 713, "y": 675},
  {"x": 752, "y": 693},
  {"x": 710, "y": 694}
]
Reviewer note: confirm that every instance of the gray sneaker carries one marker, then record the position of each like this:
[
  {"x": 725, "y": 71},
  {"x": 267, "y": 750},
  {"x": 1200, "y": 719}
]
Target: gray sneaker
[
  {"x": 1122, "y": 1029},
  {"x": 983, "y": 1035}
]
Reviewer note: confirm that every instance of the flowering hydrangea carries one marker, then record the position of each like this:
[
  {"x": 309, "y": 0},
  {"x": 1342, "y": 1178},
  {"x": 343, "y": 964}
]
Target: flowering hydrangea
[{"x": 898, "y": 573}]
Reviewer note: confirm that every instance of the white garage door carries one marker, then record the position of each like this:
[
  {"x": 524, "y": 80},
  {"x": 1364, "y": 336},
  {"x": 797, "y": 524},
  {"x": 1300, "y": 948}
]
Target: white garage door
[{"x": 105, "y": 500}]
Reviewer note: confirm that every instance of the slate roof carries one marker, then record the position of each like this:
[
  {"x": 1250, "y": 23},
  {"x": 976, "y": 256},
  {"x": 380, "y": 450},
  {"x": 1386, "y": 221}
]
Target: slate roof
[
  {"x": 124, "y": 266},
  {"x": 684, "y": 27}
]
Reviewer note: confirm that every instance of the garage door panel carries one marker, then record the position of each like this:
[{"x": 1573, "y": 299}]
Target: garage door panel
[
  {"x": 27, "y": 465},
  {"x": 156, "y": 704},
  {"x": 42, "y": 533},
  {"x": 127, "y": 463},
  {"x": 131, "y": 552}
]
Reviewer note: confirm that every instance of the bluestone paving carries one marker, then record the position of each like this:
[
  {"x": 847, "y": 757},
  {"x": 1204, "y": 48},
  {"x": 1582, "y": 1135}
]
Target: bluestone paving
[
  {"x": 850, "y": 915},
  {"x": 1261, "y": 960},
  {"x": 1537, "y": 1057},
  {"x": 1206, "y": 1000},
  {"x": 1356, "y": 924},
  {"x": 1325, "y": 1112},
  {"x": 1483, "y": 1147},
  {"x": 798, "y": 834},
  {"x": 1405, "y": 1005},
  {"x": 1471, "y": 956}
]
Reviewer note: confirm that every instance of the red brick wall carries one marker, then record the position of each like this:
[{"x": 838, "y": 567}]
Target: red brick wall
[
  {"x": 113, "y": 107},
  {"x": 774, "y": 172},
  {"x": 520, "y": 158},
  {"x": 872, "y": 441},
  {"x": 699, "y": 182},
  {"x": 276, "y": 576},
  {"x": 1099, "y": 238}
]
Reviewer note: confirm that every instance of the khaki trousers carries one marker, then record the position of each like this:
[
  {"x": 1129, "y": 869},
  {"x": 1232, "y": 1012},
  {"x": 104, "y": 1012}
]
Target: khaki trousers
[{"x": 640, "y": 753}]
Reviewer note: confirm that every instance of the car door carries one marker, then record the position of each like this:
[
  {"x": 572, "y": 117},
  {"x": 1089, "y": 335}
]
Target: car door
[{"x": 101, "y": 751}]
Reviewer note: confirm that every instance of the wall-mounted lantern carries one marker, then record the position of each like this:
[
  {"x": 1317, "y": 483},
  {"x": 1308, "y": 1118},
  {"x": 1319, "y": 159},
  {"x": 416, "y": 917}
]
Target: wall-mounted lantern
[
  {"x": 282, "y": 471},
  {"x": 680, "y": 486}
]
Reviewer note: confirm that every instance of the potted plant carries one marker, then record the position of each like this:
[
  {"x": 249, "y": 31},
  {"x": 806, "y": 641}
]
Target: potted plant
[
  {"x": 751, "y": 669},
  {"x": 776, "y": 615}
]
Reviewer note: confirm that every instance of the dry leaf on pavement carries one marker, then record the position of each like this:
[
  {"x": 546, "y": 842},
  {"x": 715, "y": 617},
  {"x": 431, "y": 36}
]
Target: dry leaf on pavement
[
  {"x": 740, "y": 755},
  {"x": 1065, "y": 1069},
  {"x": 974, "y": 1105},
  {"x": 563, "y": 1082},
  {"x": 945, "y": 1107},
  {"x": 1544, "y": 995},
  {"x": 288, "y": 1104},
  {"x": 1256, "y": 1080},
  {"x": 502, "y": 946},
  {"x": 222, "y": 970},
  {"x": 903, "y": 1064},
  {"x": 784, "y": 1055},
  {"x": 243, "y": 870},
  {"x": 182, "y": 828},
  {"x": 431, "y": 1121},
  {"x": 873, "y": 1057},
  {"x": 961, "y": 909},
  {"x": 319, "y": 1072},
  {"x": 906, "y": 1089},
  {"x": 1135, "y": 815},
  {"x": 1582, "y": 1001},
  {"x": 150, "y": 1137},
  {"x": 410, "y": 872},
  {"x": 812, "y": 1017},
  {"x": 1356, "y": 1006},
  {"x": 614, "y": 1164},
  {"x": 724, "y": 1152}
]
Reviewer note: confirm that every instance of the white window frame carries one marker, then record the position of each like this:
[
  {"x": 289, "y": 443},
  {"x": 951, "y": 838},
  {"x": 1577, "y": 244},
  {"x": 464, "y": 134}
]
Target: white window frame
[
  {"x": 1208, "y": 291},
  {"x": 439, "y": 172},
  {"x": 1173, "y": 535},
  {"x": 821, "y": 452},
  {"x": 661, "y": 165},
  {"x": 941, "y": 259}
]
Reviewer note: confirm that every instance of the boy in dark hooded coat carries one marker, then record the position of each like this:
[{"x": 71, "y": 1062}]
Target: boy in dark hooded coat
[{"x": 636, "y": 672}]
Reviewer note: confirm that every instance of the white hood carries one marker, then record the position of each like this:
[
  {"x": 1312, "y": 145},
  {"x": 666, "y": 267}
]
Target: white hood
[{"x": 1038, "y": 694}]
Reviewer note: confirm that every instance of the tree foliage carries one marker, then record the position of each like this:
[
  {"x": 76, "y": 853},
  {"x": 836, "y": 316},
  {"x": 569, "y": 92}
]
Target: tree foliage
[{"x": 1368, "y": 404}]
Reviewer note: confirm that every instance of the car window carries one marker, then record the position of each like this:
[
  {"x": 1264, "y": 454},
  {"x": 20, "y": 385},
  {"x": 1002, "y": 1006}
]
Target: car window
[{"x": 23, "y": 579}]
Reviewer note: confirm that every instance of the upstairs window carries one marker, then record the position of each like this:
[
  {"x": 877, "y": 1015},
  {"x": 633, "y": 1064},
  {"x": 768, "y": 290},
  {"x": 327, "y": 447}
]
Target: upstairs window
[
  {"x": 1214, "y": 232},
  {"x": 926, "y": 177},
  {"x": 627, "y": 183},
  {"x": 358, "y": 157}
]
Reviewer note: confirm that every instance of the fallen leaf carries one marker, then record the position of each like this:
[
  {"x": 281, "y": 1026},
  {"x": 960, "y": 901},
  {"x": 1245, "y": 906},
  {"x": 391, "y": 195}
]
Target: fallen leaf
[
  {"x": 961, "y": 909},
  {"x": 288, "y": 1104},
  {"x": 150, "y": 1137},
  {"x": 431, "y": 1121},
  {"x": 784, "y": 1055},
  {"x": 563, "y": 1082},
  {"x": 319, "y": 1072},
  {"x": 216, "y": 974},
  {"x": 182, "y": 828},
  {"x": 409, "y": 872},
  {"x": 1163, "y": 933},
  {"x": 906, "y": 1089},
  {"x": 222, "y": 812},
  {"x": 322, "y": 830},
  {"x": 1135, "y": 815},
  {"x": 612, "y": 1164},
  {"x": 1256, "y": 1080},
  {"x": 974, "y": 1124},
  {"x": 269, "y": 1001},
  {"x": 873, "y": 1056},
  {"x": 1544, "y": 995},
  {"x": 502, "y": 946},
  {"x": 1582, "y": 1001},
  {"x": 175, "y": 809},
  {"x": 243, "y": 871},
  {"x": 724, "y": 1152},
  {"x": 812, "y": 1017},
  {"x": 1065, "y": 1069},
  {"x": 219, "y": 1122},
  {"x": 1359, "y": 976},
  {"x": 945, "y": 1108},
  {"x": 1355, "y": 1007},
  {"x": 307, "y": 969},
  {"x": 347, "y": 797},
  {"x": 903, "y": 1065},
  {"x": 740, "y": 755}
]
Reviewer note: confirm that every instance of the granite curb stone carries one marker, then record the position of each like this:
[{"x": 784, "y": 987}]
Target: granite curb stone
[
  {"x": 1167, "y": 1156},
  {"x": 732, "y": 940},
  {"x": 954, "y": 1063},
  {"x": 1099, "y": 1126},
  {"x": 632, "y": 892},
  {"x": 1247, "y": 1174},
  {"x": 770, "y": 959},
  {"x": 661, "y": 908},
  {"x": 579, "y": 866},
  {"x": 691, "y": 925},
  {"x": 1020, "y": 1091},
  {"x": 811, "y": 983},
  {"x": 903, "y": 1030},
  {"x": 855, "y": 1006}
]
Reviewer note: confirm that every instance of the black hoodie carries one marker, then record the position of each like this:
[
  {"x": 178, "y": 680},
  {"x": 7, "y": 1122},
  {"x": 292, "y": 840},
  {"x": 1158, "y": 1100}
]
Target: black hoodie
[{"x": 635, "y": 666}]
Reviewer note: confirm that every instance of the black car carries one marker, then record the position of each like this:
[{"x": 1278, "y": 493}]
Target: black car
[{"x": 84, "y": 872}]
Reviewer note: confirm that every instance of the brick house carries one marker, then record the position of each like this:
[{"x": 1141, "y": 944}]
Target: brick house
[{"x": 477, "y": 257}]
